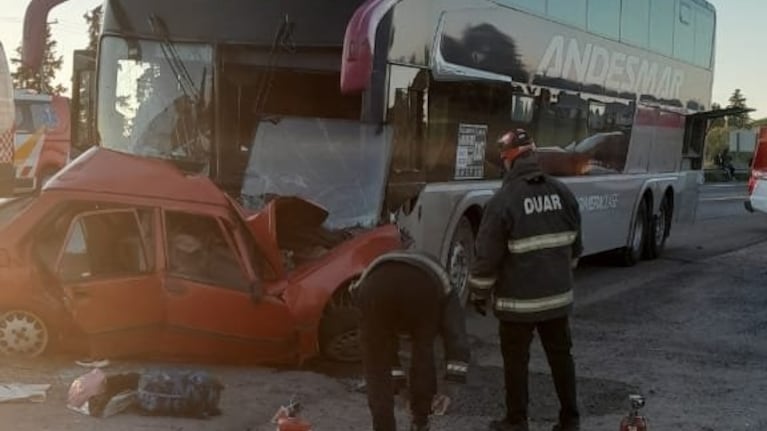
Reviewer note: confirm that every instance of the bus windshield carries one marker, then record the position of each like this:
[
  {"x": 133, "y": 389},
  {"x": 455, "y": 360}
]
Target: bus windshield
[{"x": 155, "y": 99}]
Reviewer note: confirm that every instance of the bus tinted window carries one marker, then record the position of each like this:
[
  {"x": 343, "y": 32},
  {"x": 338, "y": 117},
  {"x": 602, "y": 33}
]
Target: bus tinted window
[
  {"x": 604, "y": 17},
  {"x": 568, "y": 11},
  {"x": 704, "y": 37},
  {"x": 635, "y": 17},
  {"x": 538, "y": 6},
  {"x": 684, "y": 32},
  {"x": 662, "y": 26}
]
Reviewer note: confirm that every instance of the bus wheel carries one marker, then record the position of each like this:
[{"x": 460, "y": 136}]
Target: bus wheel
[
  {"x": 660, "y": 230},
  {"x": 632, "y": 253},
  {"x": 460, "y": 257}
]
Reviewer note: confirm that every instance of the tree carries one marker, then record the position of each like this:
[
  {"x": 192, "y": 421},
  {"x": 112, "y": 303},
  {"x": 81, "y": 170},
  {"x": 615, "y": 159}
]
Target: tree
[
  {"x": 738, "y": 100},
  {"x": 93, "y": 18},
  {"x": 41, "y": 80},
  {"x": 719, "y": 122}
]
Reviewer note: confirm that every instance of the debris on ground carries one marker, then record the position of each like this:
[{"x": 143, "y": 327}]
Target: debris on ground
[{"x": 23, "y": 392}]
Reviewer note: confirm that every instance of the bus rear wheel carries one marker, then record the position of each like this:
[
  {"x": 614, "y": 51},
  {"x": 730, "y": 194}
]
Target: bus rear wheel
[
  {"x": 632, "y": 253},
  {"x": 660, "y": 230},
  {"x": 460, "y": 257}
]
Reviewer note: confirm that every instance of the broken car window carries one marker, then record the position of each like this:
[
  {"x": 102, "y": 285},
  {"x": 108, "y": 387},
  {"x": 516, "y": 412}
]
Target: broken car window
[
  {"x": 199, "y": 251},
  {"x": 106, "y": 244}
]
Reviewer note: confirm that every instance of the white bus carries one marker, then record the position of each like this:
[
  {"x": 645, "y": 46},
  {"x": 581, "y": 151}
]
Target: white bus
[{"x": 615, "y": 92}]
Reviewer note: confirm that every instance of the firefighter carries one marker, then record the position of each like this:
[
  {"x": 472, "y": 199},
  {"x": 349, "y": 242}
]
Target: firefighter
[
  {"x": 408, "y": 293},
  {"x": 528, "y": 243}
]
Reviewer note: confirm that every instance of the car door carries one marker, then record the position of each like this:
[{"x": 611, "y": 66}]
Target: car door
[
  {"x": 212, "y": 313},
  {"x": 111, "y": 287}
]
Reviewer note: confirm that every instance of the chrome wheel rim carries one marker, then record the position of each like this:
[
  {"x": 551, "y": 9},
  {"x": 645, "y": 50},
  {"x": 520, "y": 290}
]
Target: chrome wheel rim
[
  {"x": 638, "y": 233},
  {"x": 22, "y": 333},
  {"x": 660, "y": 233},
  {"x": 459, "y": 267},
  {"x": 346, "y": 346}
]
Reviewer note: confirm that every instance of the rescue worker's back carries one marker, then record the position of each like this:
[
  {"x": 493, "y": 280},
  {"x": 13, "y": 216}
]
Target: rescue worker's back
[{"x": 531, "y": 231}]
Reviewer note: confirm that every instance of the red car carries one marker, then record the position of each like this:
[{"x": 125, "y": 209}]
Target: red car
[{"x": 120, "y": 256}]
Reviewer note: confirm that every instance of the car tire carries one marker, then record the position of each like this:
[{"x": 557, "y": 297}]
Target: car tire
[
  {"x": 460, "y": 257},
  {"x": 339, "y": 334},
  {"x": 632, "y": 253},
  {"x": 660, "y": 230},
  {"x": 24, "y": 334}
]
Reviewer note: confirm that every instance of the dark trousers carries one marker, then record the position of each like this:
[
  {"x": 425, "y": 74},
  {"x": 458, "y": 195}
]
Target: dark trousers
[
  {"x": 515, "y": 346},
  {"x": 402, "y": 302}
]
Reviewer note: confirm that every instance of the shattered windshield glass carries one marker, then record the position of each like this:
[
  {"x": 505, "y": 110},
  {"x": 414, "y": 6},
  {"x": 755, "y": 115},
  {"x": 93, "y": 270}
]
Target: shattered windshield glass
[
  {"x": 154, "y": 101},
  {"x": 338, "y": 164}
]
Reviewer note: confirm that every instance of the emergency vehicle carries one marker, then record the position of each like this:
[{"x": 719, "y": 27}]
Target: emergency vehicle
[
  {"x": 6, "y": 127},
  {"x": 757, "y": 184},
  {"x": 42, "y": 137}
]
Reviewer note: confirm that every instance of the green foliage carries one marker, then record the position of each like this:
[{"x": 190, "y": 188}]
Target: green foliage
[
  {"x": 738, "y": 100},
  {"x": 41, "y": 80},
  {"x": 717, "y": 140},
  {"x": 93, "y": 18}
]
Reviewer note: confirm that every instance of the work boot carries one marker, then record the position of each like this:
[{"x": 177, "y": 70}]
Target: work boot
[
  {"x": 505, "y": 425},
  {"x": 416, "y": 427}
]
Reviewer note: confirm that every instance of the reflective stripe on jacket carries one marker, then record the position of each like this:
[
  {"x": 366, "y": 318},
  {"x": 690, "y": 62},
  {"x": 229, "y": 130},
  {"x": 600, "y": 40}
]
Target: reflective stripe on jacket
[{"x": 529, "y": 236}]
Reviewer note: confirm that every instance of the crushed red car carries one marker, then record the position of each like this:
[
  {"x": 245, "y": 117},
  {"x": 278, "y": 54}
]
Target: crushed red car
[{"x": 120, "y": 256}]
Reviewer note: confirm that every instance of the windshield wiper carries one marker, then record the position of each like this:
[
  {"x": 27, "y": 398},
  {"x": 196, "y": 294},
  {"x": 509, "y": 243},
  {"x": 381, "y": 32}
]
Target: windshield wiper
[
  {"x": 180, "y": 71},
  {"x": 283, "y": 41}
]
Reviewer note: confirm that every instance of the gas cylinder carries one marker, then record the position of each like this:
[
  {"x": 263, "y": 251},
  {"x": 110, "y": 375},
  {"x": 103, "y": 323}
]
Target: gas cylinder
[
  {"x": 287, "y": 418},
  {"x": 633, "y": 420}
]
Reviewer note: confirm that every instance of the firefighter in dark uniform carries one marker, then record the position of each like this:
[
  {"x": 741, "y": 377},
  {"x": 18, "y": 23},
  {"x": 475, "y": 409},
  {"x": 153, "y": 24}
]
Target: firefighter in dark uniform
[
  {"x": 528, "y": 243},
  {"x": 408, "y": 293}
]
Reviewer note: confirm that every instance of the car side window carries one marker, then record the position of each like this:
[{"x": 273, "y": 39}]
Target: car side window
[
  {"x": 102, "y": 245},
  {"x": 199, "y": 250}
]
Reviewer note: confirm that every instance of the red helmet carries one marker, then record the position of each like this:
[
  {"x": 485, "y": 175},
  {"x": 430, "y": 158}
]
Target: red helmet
[{"x": 515, "y": 143}]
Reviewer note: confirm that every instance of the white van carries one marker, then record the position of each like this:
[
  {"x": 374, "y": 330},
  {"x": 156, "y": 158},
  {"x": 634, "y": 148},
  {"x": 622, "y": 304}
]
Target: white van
[{"x": 7, "y": 121}]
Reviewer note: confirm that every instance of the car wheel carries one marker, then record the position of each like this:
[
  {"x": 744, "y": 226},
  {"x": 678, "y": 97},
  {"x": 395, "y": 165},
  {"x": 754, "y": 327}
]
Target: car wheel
[
  {"x": 632, "y": 253},
  {"x": 340, "y": 335},
  {"x": 23, "y": 334},
  {"x": 659, "y": 233},
  {"x": 460, "y": 257}
]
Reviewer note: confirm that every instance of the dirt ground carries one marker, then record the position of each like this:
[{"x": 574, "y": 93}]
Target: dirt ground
[{"x": 689, "y": 334}]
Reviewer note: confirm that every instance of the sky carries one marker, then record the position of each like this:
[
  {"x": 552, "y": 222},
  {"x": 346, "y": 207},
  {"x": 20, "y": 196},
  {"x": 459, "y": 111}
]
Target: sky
[{"x": 740, "y": 24}]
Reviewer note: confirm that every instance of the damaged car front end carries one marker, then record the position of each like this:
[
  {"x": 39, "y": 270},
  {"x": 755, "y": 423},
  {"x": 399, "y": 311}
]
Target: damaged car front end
[{"x": 165, "y": 265}]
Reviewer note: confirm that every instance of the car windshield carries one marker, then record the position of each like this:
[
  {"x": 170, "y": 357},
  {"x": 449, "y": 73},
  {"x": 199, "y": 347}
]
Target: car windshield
[
  {"x": 154, "y": 99},
  {"x": 338, "y": 164}
]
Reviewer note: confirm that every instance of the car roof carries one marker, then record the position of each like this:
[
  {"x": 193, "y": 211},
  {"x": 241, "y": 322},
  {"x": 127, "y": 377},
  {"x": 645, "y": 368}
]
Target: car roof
[{"x": 99, "y": 170}]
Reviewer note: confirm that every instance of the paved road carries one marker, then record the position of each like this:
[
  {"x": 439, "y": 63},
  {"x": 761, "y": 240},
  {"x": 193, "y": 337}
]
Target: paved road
[{"x": 688, "y": 330}]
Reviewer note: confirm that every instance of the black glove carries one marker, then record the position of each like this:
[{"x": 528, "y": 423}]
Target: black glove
[{"x": 479, "y": 304}]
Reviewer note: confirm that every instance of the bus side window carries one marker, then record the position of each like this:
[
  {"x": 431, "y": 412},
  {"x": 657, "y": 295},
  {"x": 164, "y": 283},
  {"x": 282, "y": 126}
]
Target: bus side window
[
  {"x": 408, "y": 101},
  {"x": 522, "y": 108}
]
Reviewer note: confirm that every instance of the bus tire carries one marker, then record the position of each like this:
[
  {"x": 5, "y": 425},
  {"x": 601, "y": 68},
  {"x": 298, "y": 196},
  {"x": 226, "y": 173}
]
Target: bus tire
[
  {"x": 659, "y": 230},
  {"x": 632, "y": 253},
  {"x": 460, "y": 257}
]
